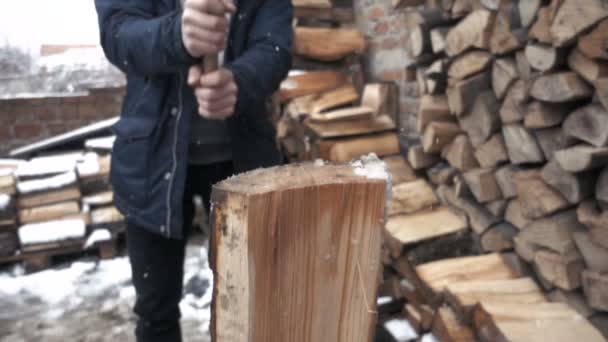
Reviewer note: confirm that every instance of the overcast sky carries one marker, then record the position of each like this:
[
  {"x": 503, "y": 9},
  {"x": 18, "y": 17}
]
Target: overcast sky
[{"x": 30, "y": 23}]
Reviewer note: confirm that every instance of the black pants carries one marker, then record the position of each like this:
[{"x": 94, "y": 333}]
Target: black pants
[{"x": 157, "y": 263}]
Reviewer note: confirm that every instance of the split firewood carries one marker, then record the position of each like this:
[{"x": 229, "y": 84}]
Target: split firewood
[
  {"x": 420, "y": 33},
  {"x": 601, "y": 91},
  {"x": 589, "y": 124},
  {"x": 472, "y": 32},
  {"x": 574, "y": 187},
  {"x": 438, "y": 38},
  {"x": 410, "y": 197},
  {"x": 544, "y": 57},
  {"x": 541, "y": 29},
  {"x": 573, "y": 17},
  {"x": 593, "y": 44},
  {"x": 340, "y": 129},
  {"x": 503, "y": 39},
  {"x": 433, "y": 108},
  {"x": 439, "y": 134},
  {"x": 552, "y": 140},
  {"x": 309, "y": 83},
  {"x": 312, "y": 3},
  {"x": 575, "y": 299},
  {"x": 587, "y": 68},
  {"x": 420, "y": 159},
  {"x": 497, "y": 207},
  {"x": 505, "y": 179},
  {"x": 421, "y": 226},
  {"x": 49, "y": 212},
  {"x": 596, "y": 222},
  {"x": 344, "y": 95},
  {"x": 327, "y": 44},
  {"x": 483, "y": 121},
  {"x": 560, "y": 87},
  {"x": 545, "y": 115},
  {"x": 400, "y": 170},
  {"x": 441, "y": 174},
  {"x": 344, "y": 150},
  {"x": 459, "y": 153},
  {"x": 553, "y": 232},
  {"x": 536, "y": 197},
  {"x": 528, "y": 11},
  {"x": 447, "y": 327},
  {"x": 513, "y": 109},
  {"x": 514, "y": 215},
  {"x": 596, "y": 257},
  {"x": 462, "y": 95},
  {"x": 522, "y": 146},
  {"x": 56, "y": 196},
  {"x": 601, "y": 188},
  {"x": 595, "y": 285},
  {"x": 582, "y": 158},
  {"x": 407, "y": 3},
  {"x": 469, "y": 64},
  {"x": 561, "y": 270},
  {"x": 380, "y": 97},
  {"x": 479, "y": 217},
  {"x": 493, "y": 152},
  {"x": 421, "y": 317},
  {"x": 483, "y": 185},
  {"x": 264, "y": 242},
  {"x": 461, "y": 8},
  {"x": 504, "y": 74},
  {"x": 499, "y": 238},
  {"x": 343, "y": 114},
  {"x": 524, "y": 69}
]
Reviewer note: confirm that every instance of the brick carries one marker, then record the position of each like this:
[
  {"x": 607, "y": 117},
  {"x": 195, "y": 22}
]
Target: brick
[
  {"x": 375, "y": 13},
  {"x": 389, "y": 43},
  {"x": 28, "y": 131},
  {"x": 381, "y": 27}
]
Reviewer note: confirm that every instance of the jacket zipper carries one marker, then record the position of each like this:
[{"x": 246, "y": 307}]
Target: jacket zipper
[{"x": 174, "y": 151}]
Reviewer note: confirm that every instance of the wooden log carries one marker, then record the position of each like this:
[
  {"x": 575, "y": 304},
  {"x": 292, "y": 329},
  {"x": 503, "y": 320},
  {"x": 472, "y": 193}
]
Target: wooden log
[
  {"x": 514, "y": 215},
  {"x": 242, "y": 242},
  {"x": 344, "y": 95},
  {"x": 540, "y": 30},
  {"x": 433, "y": 108},
  {"x": 499, "y": 238},
  {"x": 341, "y": 129},
  {"x": 464, "y": 296},
  {"x": 601, "y": 91},
  {"x": 563, "y": 271},
  {"x": 309, "y": 83},
  {"x": 524, "y": 69},
  {"x": 587, "y": 68},
  {"x": 473, "y": 31},
  {"x": 439, "y": 134},
  {"x": 532, "y": 322},
  {"x": 351, "y": 148},
  {"x": 575, "y": 299},
  {"x": 574, "y": 17},
  {"x": 459, "y": 153},
  {"x": 593, "y": 44},
  {"x": 327, "y": 44},
  {"x": 552, "y": 140},
  {"x": 589, "y": 124},
  {"x": 522, "y": 146},
  {"x": 483, "y": 121},
  {"x": 48, "y": 212},
  {"x": 421, "y": 317},
  {"x": 601, "y": 189},
  {"x": 342, "y": 114},
  {"x": 545, "y": 57},
  {"x": 582, "y": 158},
  {"x": 553, "y": 232},
  {"x": 596, "y": 257},
  {"x": 498, "y": 207},
  {"x": 505, "y": 179},
  {"x": 493, "y": 152},
  {"x": 57, "y": 196},
  {"x": 312, "y": 3},
  {"x": 560, "y": 87},
  {"x": 482, "y": 184},
  {"x": 504, "y": 74},
  {"x": 410, "y": 197},
  {"x": 447, "y": 327},
  {"x": 514, "y": 109},
  {"x": 504, "y": 39},
  {"x": 462, "y": 95},
  {"x": 528, "y": 11},
  {"x": 536, "y": 197},
  {"x": 100, "y": 199},
  {"x": 597, "y": 221},
  {"x": 545, "y": 115},
  {"x": 400, "y": 170},
  {"x": 595, "y": 285},
  {"x": 381, "y": 98},
  {"x": 420, "y": 159},
  {"x": 469, "y": 64},
  {"x": 573, "y": 187},
  {"x": 479, "y": 217},
  {"x": 438, "y": 39},
  {"x": 106, "y": 215},
  {"x": 461, "y": 188},
  {"x": 422, "y": 226}
]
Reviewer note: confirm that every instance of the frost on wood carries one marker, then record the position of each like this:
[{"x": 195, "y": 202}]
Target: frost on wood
[
  {"x": 44, "y": 166},
  {"x": 99, "y": 235},
  {"x": 52, "y": 231},
  {"x": 47, "y": 184},
  {"x": 88, "y": 165}
]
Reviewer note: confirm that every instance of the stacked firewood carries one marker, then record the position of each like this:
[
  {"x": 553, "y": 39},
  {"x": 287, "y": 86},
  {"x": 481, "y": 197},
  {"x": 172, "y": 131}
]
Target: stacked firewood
[
  {"x": 513, "y": 143},
  {"x": 58, "y": 201},
  {"x": 325, "y": 109}
]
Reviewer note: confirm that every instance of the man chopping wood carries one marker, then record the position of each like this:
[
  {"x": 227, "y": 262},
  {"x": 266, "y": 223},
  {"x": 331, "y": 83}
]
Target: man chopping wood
[{"x": 183, "y": 128}]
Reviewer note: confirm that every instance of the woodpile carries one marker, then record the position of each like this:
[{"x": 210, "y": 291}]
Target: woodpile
[
  {"x": 324, "y": 109},
  {"x": 58, "y": 201},
  {"x": 502, "y": 237}
]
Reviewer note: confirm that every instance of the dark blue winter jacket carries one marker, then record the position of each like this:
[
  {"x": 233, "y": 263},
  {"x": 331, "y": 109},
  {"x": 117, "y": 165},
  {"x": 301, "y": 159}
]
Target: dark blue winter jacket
[{"x": 149, "y": 161}]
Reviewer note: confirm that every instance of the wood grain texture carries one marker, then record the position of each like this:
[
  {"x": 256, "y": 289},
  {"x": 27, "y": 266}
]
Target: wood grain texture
[
  {"x": 295, "y": 254},
  {"x": 425, "y": 225},
  {"x": 327, "y": 44}
]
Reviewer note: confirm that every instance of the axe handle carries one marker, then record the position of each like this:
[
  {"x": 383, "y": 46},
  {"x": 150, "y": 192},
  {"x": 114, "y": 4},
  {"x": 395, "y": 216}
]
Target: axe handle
[{"x": 210, "y": 63}]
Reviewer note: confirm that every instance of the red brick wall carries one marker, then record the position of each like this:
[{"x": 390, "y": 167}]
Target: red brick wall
[
  {"x": 27, "y": 120},
  {"x": 386, "y": 31}
]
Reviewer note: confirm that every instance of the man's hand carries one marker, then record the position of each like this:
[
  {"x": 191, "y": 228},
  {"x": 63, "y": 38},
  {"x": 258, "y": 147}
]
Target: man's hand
[
  {"x": 216, "y": 92},
  {"x": 204, "y": 26}
]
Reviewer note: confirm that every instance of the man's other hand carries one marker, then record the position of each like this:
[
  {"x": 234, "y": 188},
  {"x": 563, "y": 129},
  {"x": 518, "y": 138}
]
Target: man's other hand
[
  {"x": 216, "y": 92},
  {"x": 205, "y": 26}
]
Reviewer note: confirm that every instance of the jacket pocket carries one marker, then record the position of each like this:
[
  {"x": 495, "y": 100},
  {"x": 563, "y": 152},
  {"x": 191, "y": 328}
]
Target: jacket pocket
[{"x": 131, "y": 158}]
